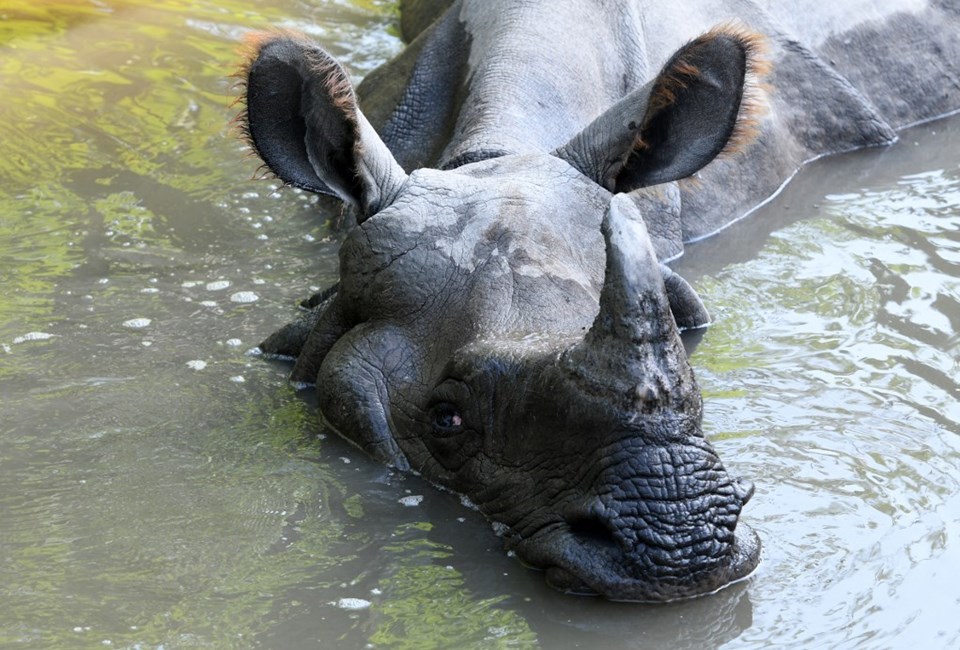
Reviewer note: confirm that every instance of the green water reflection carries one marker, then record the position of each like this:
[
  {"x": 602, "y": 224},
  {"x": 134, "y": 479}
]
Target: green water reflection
[
  {"x": 121, "y": 93},
  {"x": 134, "y": 514}
]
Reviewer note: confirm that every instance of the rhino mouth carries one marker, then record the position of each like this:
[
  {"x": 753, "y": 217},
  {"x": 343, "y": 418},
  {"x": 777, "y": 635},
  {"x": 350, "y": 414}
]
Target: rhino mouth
[{"x": 590, "y": 565}]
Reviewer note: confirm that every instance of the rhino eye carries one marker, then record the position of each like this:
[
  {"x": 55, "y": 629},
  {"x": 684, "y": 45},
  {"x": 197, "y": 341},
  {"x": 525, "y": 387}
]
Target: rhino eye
[{"x": 446, "y": 418}]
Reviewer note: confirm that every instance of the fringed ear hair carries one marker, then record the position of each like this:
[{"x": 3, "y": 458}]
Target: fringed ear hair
[
  {"x": 753, "y": 101},
  {"x": 303, "y": 120},
  {"x": 697, "y": 109},
  {"x": 704, "y": 103},
  {"x": 248, "y": 52}
]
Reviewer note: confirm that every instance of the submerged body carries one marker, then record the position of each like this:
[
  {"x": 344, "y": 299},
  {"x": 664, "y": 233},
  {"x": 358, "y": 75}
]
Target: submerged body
[{"x": 503, "y": 324}]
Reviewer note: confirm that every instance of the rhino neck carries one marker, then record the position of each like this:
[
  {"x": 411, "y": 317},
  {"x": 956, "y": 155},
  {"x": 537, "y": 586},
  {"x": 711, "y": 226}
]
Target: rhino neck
[{"x": 538, "y": 72}]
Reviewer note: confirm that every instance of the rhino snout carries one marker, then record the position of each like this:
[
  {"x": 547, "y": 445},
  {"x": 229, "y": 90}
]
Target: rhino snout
[{"x": 650, "y": 536}]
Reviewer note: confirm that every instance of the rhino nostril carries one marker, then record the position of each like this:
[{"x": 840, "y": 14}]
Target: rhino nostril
[{"x": 591, "y": 531}]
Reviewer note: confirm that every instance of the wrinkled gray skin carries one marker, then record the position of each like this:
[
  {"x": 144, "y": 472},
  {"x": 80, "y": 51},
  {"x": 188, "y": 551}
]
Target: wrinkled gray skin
[{"x": 503, "y": 325}]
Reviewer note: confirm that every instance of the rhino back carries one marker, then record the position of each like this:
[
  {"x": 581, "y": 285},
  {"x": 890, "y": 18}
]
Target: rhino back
[
  {"x": 902, "y": 55},
  {"x": 526, "y": 75}
]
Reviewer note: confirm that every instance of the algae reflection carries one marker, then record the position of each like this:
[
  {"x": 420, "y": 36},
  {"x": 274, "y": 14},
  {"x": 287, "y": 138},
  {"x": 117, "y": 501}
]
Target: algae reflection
[
  {"x": 132, "y": 97},
  {"x": 144, "y": 503}
]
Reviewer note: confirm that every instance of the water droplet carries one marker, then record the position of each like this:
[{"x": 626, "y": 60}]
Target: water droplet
[
  {"x": 33, "y": 336},
  {"x": 137, "y": 323},
  {"x": 499, "y": 528},
  {"x": 244, "y": 297},
  {"x": 412, "y": 500},
  {"x": 353, "y": 603}
]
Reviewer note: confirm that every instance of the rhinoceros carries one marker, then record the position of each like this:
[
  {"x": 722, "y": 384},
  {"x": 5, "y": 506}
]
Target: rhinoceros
[{"x": 505, "y": 324}]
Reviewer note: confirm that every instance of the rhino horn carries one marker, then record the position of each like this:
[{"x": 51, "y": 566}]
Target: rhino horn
[
  {"x": 632, "y": 353},
  {"x": 634, "y": 306}
]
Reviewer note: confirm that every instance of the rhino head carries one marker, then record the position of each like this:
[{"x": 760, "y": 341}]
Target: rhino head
[{"x": 505, "y": 330}]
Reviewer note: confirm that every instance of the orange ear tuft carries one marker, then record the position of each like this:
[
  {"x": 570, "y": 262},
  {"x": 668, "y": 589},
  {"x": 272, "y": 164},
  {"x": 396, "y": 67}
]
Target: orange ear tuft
[
  {"x": 753, "y": 104},
  {"x": 248, "y": 50},
  {"x": 251, "y": 44}
]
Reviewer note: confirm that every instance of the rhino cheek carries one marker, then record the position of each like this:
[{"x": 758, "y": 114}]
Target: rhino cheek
[
  {"x": 455, "y": 457},
  {"x": 353, "y": 393}
]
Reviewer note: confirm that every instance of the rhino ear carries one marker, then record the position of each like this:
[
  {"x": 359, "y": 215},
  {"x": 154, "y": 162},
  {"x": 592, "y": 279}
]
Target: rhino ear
[
  {"x": 688, "y": 309},
  {"x": 303, "y": 121},
  {"x": 680, "y": 121}
]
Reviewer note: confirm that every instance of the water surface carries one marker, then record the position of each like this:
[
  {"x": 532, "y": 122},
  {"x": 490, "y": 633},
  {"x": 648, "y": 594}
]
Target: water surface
[{"x": 160, "y": 487}]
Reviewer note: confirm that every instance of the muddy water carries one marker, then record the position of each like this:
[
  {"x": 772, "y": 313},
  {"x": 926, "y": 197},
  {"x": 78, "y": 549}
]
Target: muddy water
[{"x": 160, "y": 487}]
